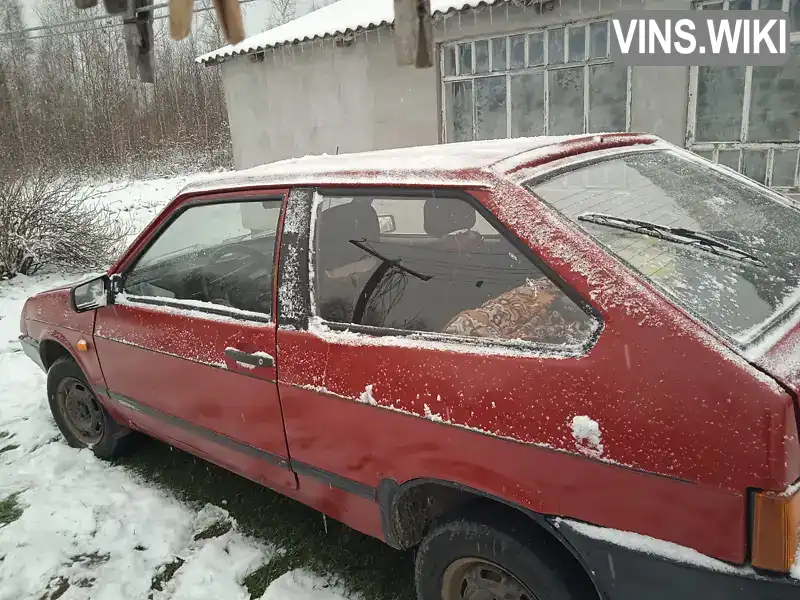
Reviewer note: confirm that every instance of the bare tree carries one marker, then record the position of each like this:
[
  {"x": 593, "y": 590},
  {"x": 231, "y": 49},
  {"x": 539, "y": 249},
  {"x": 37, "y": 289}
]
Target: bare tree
[
  {"x": 281, "y": 11},
  {"x": 52, "y": 221},
  {"x": 67, "y": 101}
]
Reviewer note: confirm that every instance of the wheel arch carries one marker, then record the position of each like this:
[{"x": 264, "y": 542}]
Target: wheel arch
[
  {"x": 410, "y": 509},
  {"x": 53, "y": 347}
]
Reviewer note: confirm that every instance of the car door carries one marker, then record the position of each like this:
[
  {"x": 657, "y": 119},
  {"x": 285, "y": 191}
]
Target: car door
[{"x": 187, "y": 347}]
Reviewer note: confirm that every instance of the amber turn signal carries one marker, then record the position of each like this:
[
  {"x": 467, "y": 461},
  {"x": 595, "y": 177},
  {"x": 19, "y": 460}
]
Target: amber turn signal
[
  {"x": 776, "y": 530},
  {"x": 82, "y": 345}
]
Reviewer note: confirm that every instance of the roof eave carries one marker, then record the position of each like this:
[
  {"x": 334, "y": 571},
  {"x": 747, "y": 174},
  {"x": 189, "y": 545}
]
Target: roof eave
[{"x": 209, "y": 60}]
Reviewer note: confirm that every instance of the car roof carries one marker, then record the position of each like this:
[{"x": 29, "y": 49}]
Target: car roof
[{"x": 460, "y": 164}]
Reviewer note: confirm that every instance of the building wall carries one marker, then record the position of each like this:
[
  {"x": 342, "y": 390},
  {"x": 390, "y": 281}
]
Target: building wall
[{"x": 325, "y": 98}]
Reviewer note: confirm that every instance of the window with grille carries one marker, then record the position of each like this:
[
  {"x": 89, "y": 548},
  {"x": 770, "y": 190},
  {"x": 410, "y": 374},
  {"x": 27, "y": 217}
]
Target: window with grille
[
  {"x": 748, "y": 118},
  {"x": 553, "y": 81}
]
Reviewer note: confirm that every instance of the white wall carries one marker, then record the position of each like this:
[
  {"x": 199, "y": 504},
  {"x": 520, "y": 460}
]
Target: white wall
[{"x": 354, "y": 98}]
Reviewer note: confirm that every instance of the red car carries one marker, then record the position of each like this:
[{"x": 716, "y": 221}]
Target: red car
[{"x": 562, "y": 368}]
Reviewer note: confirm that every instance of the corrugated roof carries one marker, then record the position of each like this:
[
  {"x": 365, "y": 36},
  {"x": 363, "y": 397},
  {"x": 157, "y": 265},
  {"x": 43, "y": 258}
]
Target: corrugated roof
[{"x": 340, "y": 18}]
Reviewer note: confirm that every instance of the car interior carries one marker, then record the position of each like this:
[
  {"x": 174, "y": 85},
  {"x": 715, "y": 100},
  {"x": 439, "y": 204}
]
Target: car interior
[
  {"x": 236, "y": 273},
  {"x": 417, "y": 282}
]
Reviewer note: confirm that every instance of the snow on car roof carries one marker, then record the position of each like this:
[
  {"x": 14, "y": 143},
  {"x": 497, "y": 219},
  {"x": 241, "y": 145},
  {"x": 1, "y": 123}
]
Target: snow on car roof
[
  {"x": 339, "y": 18},
  {"x": 439, "y": 164}
]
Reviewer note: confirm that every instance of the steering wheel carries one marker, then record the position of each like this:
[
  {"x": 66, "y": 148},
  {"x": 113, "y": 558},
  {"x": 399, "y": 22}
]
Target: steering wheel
[{"x": 208, "y": 285}]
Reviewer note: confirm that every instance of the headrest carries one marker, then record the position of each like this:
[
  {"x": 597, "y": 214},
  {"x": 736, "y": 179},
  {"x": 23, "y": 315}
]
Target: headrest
[
  {"x": 446, "y": 215},
  {"x": 340, "y": 224}
]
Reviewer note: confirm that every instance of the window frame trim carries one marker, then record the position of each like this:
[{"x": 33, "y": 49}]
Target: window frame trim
[
  {"x": 545, "y": 68},
  {"x": 212, "y": 309},
  {"x": 533, "y": 349}
]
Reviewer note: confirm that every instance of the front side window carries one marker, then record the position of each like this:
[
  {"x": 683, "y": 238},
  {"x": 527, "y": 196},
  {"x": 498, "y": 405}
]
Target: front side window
[
  {"x": 221, "y": 254},
  {"x": 723, "y": 248},
  {"x": 553, "y": 81},
  {"x": 434, "y": 265},
  {"x": 748, "y": 117}
]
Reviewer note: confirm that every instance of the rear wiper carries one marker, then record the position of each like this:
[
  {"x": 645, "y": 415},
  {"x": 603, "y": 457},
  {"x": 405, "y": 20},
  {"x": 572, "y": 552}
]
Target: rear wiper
[
  {"x": 678, "y": 235},
  {"x": 389, "y": 261}
]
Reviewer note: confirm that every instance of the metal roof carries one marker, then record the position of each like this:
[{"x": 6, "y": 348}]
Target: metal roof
[
  {"x": 341, "y": 18},
  {"x": 458, "y": 164}
]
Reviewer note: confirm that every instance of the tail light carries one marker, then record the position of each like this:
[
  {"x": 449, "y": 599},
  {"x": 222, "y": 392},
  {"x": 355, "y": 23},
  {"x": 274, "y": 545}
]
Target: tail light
[{"x": 776, "y": 529}]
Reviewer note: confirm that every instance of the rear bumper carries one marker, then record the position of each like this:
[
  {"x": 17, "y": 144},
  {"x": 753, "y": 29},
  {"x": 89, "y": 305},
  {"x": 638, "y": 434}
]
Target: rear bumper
[
  {"x": 31, "y": 347},
  {"x": 625, "y": 574}
]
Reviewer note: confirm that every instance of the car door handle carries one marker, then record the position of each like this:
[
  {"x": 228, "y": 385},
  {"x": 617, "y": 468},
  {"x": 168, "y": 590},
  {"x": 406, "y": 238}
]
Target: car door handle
[{"x": 259, "y": 359}]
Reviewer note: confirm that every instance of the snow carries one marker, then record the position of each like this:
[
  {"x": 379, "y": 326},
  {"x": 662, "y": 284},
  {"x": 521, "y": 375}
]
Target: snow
[
  {"x": 300, "y": 585},
  {"x": 320, "y": 328},
  {"x": 587, "y": 435},
  {"x": 341, "y": 17},
  {"x": 126, "y": 299},
  {"x": 656, "y": 547},
  {"x": 97, "y": 527}
]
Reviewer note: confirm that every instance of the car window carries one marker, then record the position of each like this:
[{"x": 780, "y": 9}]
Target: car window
[
  {"x": 744, "y": 272},
  {"x": 443, "y": 269},
  {"x": 216, "y": 253}
]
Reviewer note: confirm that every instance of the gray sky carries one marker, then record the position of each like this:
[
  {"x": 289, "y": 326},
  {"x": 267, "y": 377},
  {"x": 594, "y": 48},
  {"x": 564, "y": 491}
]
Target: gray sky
[{"x": 256, "y": 13}]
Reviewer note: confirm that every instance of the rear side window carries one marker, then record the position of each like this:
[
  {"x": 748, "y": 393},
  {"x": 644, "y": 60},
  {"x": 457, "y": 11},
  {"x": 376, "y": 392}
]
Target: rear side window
[{"x": 433, "y": 265}]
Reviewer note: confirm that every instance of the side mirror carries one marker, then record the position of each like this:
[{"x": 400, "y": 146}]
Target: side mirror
[
  {"x": 387, "y": 223},
  {"x": 90, "y": 294}
]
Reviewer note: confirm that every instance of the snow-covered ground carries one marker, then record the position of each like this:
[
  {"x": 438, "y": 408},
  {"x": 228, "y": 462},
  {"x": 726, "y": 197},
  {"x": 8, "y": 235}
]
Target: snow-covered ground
[{"x": 89, "y": 530}]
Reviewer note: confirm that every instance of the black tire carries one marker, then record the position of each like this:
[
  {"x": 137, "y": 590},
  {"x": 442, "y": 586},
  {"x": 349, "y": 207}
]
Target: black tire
[
  {"x": 529, "y": 557},
  {"x": 115, "y": 7},
  {"x": 112, "y": 436}
]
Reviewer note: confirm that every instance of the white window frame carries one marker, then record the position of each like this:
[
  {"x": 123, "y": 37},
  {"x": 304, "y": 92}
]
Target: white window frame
[
  {"x": 544, "y": 68},
  {"x": 742, "y": 144}
]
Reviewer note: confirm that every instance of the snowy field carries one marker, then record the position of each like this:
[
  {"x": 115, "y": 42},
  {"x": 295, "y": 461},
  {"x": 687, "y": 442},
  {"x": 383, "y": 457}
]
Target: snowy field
[{"x": 73, "y": 527}]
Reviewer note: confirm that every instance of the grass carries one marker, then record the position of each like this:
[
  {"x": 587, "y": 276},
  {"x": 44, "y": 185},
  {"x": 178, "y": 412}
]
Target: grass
[
  {"x": 361, "y": 564},
  {"x": 9, "y": 510},
  {"x": 166, "y": 574},
  {"x": 217, "y": 529},
  {"x": 57, "y": 588}
]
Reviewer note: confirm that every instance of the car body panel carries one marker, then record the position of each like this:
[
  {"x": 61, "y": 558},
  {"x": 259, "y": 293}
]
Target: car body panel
[{"x": 688, "y": 426}]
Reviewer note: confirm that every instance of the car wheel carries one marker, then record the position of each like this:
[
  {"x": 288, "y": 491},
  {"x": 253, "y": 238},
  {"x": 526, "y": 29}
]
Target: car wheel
[
  {"x": 80, "y": 416},
  {"x": 467, "y": 559}
]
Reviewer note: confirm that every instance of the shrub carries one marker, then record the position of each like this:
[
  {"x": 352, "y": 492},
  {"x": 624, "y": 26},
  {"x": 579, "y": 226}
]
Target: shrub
[{"x": 48, "y": 220}]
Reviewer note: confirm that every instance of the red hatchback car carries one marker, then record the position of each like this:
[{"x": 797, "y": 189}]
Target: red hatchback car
[{"x": 562, "y": 368}]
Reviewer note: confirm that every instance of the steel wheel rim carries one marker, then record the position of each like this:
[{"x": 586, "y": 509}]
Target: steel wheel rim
[
  {"x": 479, "y": 579},
  {"x": 81, "y": 411}
]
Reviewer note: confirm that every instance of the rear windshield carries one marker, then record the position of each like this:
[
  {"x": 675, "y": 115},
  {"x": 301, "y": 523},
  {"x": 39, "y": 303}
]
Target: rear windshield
[{"x": 739, "y": 274}]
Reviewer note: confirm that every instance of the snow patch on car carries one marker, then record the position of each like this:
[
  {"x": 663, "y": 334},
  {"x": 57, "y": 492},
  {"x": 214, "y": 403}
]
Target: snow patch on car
[
  {"x": 587, "y": 435},
  {"x": 649, "y": 545},
  {"x": 366, "y": 396},
  {"x": 513, "y": 348},
  {"x": 176, "y": 307}
]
